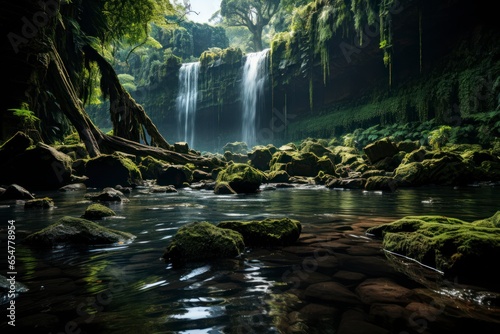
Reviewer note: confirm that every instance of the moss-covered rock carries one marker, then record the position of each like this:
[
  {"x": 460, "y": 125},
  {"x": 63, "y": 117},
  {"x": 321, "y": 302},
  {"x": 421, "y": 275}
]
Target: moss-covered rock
[
  {"x": 202, "y": 241},
  {"x": 382, "y": 148},
  {"x": 493, "y": 221},
  {"x": 175, "y": 175},
  {"x": 110, "y": 170},
  {"x": 97, "y": 211},
  {"x": 260, "y": 158},
  {"x": 43, "y": 203},
  {"x": 151, "y": 168},
  {"x": 76, "y": 231},
  {"x": 237, "y": 147},
  {"x": 385, "y": 183},
  {"x": 278, "y": 176},
  {"x": 268, "y": 232},
  {"x": 242, "y": 178},
  {"x": 41, "y": 167},
  {"x": 458, "y": 248}
]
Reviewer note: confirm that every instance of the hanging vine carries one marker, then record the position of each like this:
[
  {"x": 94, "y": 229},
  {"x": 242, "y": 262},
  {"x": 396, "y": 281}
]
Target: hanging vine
[{"x": 386, "y": 34}]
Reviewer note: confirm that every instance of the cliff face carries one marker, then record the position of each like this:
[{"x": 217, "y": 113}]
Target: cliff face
[
  {"x": 442, "y": 62},
  {"x": 434, "y": 61}
]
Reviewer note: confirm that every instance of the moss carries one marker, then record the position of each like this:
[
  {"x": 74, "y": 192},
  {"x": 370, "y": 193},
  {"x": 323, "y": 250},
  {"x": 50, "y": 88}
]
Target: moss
[
  {"x": 44, "y": 203},
  {"x": 98, "y": 211},
  {"x": 202, "y": 241},
  {"x": 448, "y": 244},
  {"x": 493, "y": 221},
  {"x": 268, "y": 232},
  {"x": 224, "y": 56},
  {"x": 240, "y": 172},
  {"x": 76, "y": 231}
]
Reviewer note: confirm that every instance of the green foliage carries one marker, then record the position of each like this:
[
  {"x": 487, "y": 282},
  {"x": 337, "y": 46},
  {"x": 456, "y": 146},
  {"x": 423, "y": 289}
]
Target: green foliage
[
  {"x": 27, "y": 118},
  {"x": 440, "y": 136},
  {"x": 253, "y": 14}
]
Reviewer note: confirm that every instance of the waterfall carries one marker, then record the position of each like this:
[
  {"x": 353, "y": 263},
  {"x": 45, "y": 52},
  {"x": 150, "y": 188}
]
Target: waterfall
[
  {"x": 186, "y": 100},
  {"x": 252, "y": 93}
]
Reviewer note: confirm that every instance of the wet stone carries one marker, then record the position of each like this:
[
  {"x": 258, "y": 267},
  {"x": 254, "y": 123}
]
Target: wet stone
[
  {"x": 390, "y": 316},
  {"x": 348, "y": 277},
  {"x": 331, "y": 292},
  {"x": 354, "y": 322},
  {"x": 383, "y": 290},
  {"x": 303, "y": 278},
  {"x": 319, "y": 311},
  {"x": 364, "y": 250},
  {"x": 369, "y": 265}
]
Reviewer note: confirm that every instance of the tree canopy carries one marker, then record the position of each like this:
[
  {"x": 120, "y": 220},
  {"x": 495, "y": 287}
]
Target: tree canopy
[{"x": 252, "y": 14}]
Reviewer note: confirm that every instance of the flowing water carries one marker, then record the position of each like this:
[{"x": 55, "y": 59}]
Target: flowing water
[
  {"x": 255, "y": 73},
  {"x": 187, "y": 100},
  {"x": 126, "y": 288}
]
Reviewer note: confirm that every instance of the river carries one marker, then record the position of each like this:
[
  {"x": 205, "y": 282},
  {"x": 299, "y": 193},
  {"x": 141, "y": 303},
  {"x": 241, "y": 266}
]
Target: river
[{"x": 128, "y": 289}]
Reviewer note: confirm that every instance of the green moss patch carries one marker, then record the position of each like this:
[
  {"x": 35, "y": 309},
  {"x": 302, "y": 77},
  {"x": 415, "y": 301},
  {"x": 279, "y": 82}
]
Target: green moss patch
[
  {"x": 268, "y": 232},
  {"x": 76, "y": 231},
  {"x": 98, "y": 211},
  {"x": 201, "y": 241},
  {"x": 459, "y": 249}
]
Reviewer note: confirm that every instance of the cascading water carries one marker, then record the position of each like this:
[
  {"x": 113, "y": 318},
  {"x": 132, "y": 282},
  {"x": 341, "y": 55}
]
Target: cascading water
[
  {"x": 187, "y": 100},
  {"x": 253, "y": 81}
]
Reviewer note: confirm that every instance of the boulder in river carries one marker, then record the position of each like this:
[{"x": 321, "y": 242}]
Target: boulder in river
[
  {"x": 76, "y": 231},
  {"x": 267, "y": 232},
  {"x": 201, "y": 241},
  {"x": 458, "y": 248}
]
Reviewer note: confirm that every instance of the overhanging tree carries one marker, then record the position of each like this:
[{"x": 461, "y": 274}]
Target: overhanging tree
[
  {"x": 252, "y": 14},
  {"x": 58, "y": 44}
]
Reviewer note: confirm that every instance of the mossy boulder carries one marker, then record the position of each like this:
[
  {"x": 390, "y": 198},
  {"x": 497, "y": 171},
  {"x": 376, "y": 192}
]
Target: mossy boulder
[
  {"x": 242, "y": 178},
  {"x": 260, "y": 158},
  {"x": 385, "y": 183},
  {"x": 268, "y": 232},
  {"x": 459, "y": 249},
  {"x": 151, "y": 168},
  {"x": 111, "y": 170},
  {"x": 315, "y": 147},
  {"x": 97, "y": 211},
  {"x": 202, "y": 241},
  {"x": 237, "y": 147},
  {"x": 76, "y": 231},
  {"x": 175, "y": 175},
  {"x": 382, "y": 148},
  {"x": 40, "y": 167},
  {"x": 42, "y": 203}
]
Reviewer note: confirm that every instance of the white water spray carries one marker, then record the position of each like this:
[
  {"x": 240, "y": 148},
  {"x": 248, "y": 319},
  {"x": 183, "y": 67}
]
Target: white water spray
[
  {"x": 186, "y": 100},
  {"x": 252, "y": 93}
]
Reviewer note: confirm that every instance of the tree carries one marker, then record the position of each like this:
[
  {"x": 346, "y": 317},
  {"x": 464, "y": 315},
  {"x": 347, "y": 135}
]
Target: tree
[
  {"x": 53, "y": 47},
  {"x": 252, "y": 14}
]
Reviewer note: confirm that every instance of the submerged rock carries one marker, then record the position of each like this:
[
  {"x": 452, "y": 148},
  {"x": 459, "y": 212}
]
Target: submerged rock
[
  {"x": 201, "y": 241},
  {"x": 76, "y": 231},
  {"x": 268, "y": 232}
]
